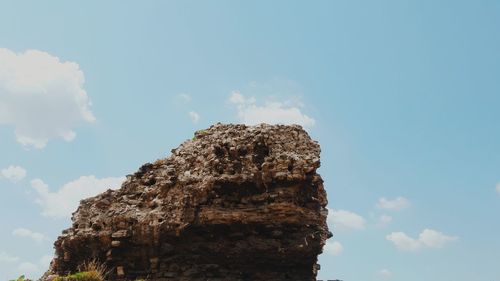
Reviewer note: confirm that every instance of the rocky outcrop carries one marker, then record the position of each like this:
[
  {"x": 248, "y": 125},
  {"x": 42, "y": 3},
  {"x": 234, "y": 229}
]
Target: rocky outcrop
[{"x": 234, "y": 203}]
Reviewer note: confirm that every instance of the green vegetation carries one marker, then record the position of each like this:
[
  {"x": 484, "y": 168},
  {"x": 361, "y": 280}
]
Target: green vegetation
[
  {"x": 200, "y": 134},
  {"x": 21, "y": 278},
  {"x": 79, "y": 276},
  {"x": 82, "y": 276},
  {"x": 89, "y": 271}
]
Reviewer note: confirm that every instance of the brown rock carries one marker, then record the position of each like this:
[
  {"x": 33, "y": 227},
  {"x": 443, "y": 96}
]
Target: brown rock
[
  {"x": 119, "y": 271},
  {"x": 234, "y": 203}
]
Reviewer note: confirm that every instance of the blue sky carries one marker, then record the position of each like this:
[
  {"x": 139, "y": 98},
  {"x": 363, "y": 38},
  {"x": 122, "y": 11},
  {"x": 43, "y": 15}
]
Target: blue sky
[{"x": 403, "y": 96}]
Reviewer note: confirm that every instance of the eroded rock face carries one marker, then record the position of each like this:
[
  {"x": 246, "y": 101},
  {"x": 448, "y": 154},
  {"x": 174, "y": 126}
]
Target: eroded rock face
[{"x": 234, "y": 203}]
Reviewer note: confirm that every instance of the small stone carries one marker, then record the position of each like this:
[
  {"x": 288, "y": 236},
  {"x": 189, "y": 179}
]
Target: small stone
[
  {"x": 120, "y": 271},
  {"x": 120, "y": 234},
  {"x": 280, "y": 175}
]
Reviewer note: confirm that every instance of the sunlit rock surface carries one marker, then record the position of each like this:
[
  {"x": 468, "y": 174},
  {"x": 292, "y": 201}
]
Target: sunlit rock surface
[{"x": 234, "y": 203}]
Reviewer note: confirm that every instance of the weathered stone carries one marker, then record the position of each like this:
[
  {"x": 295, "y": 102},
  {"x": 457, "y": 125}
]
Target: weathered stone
[
  {"x": 119, "y": 271},
  {"x": 234, "y": 203},
  {"x": 120, "y": 233}
]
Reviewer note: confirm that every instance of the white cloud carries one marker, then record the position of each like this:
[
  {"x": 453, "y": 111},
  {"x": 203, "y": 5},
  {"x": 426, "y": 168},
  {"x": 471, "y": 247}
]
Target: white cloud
[
  {"x": 238, "y": 99},
  {"x": 41, "y": 96},
  {"x": 384, "y": 220},
  {"x": 394, "y": 204},
  {"x": 28, "y": 268},
  {"x": 384, "y": 273},
  {"x": 4, "y": 257},
  {"x": 498, "y": 188},
  {"x": 184, "y": 98},
  {"x": 63, "y": 202},
  {"x": 343, "y": 219},
  {"x": 195, "y": 117},
  {"x": 333, "y": 248},
  {"x": 272, "y": 112},
  {"x": 24, "y": 232},
  {"x": 31, "y": 269},
  {"x": 435, "y": 239},
  {"x": 13, "y": 173},
  {"x": 428, "y": 238},
  {"x": 34, "y": 269},
  {"x": 404, "y": 242}
]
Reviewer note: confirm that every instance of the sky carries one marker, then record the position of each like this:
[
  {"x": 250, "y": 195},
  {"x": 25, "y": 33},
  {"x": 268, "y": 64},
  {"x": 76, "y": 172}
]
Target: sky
[{"x": 403, "y": 97}]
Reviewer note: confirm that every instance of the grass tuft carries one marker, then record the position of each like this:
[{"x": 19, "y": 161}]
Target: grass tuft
[
  {"x": 89, "y": 271},
  {"x": 82, "y": 276}
]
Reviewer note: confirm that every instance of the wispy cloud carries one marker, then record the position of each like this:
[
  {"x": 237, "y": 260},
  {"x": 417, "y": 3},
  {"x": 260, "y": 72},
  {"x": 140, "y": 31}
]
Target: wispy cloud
[
  {"x": 42, "y": 97},
  {"x": 333, "y": 248},
  {"x": 24, "y": 232},
  {"x": 384, "y": 220},
  {"x": 4, "y": 257},
  {"x": 343, "y": 219},
  {"x": 384, "y": 273},
  {"x": 13, "y": 173},
  {"x": 398, "y": 203},
  {"x": 184, "y": 98},
  {"x": 34, "y": 268},
  {"x": 28, "y": 268},
  {"x": 271, "y": 112},
  {"x": 63, "y": 202},
  {"x": 195, "y": 117},
  {"x": 428, "y": 238}
]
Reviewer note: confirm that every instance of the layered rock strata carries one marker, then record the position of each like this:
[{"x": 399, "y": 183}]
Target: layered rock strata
[{"x": 234, "y": 203}]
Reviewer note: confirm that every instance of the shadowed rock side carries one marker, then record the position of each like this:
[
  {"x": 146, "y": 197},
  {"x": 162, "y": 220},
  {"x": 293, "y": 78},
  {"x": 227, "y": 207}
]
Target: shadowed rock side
[{"x": 234, "y": 203}]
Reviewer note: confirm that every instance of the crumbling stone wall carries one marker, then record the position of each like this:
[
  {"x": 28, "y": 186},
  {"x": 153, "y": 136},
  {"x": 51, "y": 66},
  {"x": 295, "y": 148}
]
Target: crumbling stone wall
[{"x": 234, "y": 203}]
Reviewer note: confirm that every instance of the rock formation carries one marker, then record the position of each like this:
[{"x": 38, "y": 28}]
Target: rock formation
[{"x": 234, "y": 203}]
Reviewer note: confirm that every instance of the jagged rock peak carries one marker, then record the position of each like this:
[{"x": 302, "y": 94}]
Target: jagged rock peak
[{"x": 235, "y": 202}]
